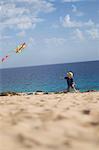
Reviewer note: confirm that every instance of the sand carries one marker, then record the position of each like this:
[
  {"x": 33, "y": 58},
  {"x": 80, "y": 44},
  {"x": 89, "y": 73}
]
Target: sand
[{"x": 67, "y": 121}]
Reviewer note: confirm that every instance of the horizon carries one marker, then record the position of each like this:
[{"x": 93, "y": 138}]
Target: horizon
[
  {"x": 50, "y": 64},
  {"x": 55, "y": 31}
]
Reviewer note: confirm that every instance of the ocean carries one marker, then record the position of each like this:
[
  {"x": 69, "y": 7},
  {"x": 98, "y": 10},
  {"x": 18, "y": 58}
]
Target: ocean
[{"x": 50, "y": 78}]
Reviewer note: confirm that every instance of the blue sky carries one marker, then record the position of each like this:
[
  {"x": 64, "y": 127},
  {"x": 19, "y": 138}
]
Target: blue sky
[{"x": 55, "y": 31}]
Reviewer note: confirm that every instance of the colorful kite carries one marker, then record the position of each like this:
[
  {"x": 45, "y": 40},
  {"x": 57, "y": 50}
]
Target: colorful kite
[
  {"x": 17, "y": 50},
  {"x": 20, "y": 48}
]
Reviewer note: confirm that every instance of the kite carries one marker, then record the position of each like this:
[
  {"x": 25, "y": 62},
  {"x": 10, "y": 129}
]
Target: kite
[{"x": 19, "y": 49}]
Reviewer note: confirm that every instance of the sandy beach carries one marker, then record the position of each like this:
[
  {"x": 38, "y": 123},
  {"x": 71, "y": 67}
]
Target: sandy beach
[{"x": 67, "y": 121}]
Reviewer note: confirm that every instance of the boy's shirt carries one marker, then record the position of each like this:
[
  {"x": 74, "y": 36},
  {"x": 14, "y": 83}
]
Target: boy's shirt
[{"x": 69, "y": 81}]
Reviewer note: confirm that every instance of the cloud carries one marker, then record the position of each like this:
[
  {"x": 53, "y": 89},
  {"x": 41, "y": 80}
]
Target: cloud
[
  {"x": 5, "y": 37},
  {"x": 74, "y": 8},
  {"x": 55, "y": 41},
  {"x": 23, "y": 22},
  {"x": 21, "y": 34},
  {"x": 72, "y": 0},
  {"x": 93, "y": 33},
  {"x": 76, "y": 11},
  {"x": 23, "y": 14},
  {"x": 68, "y": 23},
  {"x": 78, "y": 34},
  {"x": 31, "y": 42}
]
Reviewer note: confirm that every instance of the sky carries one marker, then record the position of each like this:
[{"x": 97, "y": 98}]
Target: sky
[{"x": 55, "y": 31}]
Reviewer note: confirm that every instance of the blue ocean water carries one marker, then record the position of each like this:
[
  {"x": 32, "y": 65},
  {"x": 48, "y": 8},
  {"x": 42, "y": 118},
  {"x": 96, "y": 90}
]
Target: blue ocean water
[{"x": 50, "y": 77}]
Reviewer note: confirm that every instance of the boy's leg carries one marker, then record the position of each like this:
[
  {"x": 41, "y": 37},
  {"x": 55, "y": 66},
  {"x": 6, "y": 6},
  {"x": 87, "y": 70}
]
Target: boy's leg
[{"x": 75, "y": 89}]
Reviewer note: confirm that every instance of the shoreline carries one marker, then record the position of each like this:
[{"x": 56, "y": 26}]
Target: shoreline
[{"x": 7, "y": 93}]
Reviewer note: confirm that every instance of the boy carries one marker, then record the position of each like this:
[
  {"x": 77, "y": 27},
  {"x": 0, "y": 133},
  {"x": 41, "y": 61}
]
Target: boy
[{"x": 70, "y": 82}]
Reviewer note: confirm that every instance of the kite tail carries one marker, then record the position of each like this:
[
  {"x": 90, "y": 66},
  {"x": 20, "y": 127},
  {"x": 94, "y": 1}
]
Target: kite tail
[{"x": 6, "y": 57}]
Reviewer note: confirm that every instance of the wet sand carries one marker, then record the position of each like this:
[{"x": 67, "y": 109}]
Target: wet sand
[{"x": 67, "y": 121}]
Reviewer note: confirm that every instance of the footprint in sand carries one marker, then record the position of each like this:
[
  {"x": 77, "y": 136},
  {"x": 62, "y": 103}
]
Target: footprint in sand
[
  {"x": 46, "y": 115},
  {"x": 27, "y": 97},
  {"x": 27, "y": 141},
  {"x": 60, "y": 117},
  {"x": 94, "y": 123},
  {"x": 86, "y": 112},
  {"x": 42, "y": 100},
  {"x": 67, "y": 108}
]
